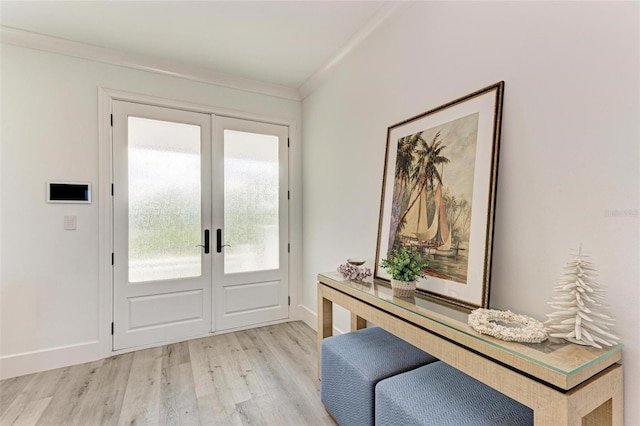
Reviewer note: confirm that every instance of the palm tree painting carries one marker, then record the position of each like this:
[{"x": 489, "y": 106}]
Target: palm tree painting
[
  {"x": 438, "y": 195},
  {"x": 432, "y": 195}
]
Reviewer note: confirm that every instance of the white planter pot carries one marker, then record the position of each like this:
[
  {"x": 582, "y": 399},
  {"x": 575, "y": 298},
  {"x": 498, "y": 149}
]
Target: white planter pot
[{"x": 403, "y": 288}]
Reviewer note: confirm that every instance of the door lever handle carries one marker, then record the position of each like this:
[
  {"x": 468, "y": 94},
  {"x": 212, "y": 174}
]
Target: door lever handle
[
  {"x": 219, "y": 244},
  {"x": 206, "y": 242}
]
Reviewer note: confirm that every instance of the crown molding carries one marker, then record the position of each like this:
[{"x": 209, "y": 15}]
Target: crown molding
[
  {"x": 383, "y": 14},
  {"x": 36, "y": 41}
]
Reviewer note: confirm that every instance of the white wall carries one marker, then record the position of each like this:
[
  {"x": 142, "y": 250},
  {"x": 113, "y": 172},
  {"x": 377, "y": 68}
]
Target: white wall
[
  {"x": 569, "y": 159},
  {"x": 49, "y": 284}
]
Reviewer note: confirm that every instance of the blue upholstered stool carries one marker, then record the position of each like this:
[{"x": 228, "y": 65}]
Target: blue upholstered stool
[
  {"x": 438, "y": 394},
  {"x": 353, "y": 363}
]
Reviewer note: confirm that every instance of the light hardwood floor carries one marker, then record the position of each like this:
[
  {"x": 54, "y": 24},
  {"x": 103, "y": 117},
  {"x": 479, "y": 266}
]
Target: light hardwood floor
[{"x": 263, "y": 376}]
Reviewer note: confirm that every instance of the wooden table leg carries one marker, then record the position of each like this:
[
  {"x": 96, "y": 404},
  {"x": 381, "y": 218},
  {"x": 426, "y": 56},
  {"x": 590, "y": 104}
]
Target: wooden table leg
[
  {"x": 357, "y": 323},
  {"x": 596, "y": 402},
  {"x": 325, "y": 321},
  {"x": 601, "y": 403}
]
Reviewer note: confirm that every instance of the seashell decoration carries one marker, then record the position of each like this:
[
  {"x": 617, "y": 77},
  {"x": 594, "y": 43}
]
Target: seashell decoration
[
  {"x": 505, "y": 325},
  {"x": 579, "y": 316}
]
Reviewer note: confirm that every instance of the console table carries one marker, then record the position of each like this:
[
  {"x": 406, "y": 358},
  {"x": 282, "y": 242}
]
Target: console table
[{"x": 564, "y": 384}]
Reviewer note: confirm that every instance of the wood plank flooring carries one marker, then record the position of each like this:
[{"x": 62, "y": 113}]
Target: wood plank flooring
[{"x": 263, "y": 376}]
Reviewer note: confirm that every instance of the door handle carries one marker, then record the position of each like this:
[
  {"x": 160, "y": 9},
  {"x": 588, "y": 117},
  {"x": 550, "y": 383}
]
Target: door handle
[
  {"x": 219, "y": 244},
  {"x": 206, "y": 246},
  {"x": 206, "y": 241}
]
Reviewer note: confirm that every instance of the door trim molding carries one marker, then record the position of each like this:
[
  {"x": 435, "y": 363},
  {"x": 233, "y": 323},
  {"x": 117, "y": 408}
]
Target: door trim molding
[
  {"x": 105, "y": 219},
  {"x": 106, "y": 97}
]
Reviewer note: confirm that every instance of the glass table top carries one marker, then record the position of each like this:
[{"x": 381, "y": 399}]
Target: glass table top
[{"x": 556, "y": 354}]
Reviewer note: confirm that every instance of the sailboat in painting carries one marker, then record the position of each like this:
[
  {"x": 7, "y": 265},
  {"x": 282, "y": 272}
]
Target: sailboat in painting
[{"x": 432, "y": 235}]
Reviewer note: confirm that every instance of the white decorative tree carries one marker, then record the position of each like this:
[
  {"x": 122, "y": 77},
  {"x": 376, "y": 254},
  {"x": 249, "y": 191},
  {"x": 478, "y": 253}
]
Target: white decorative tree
[{"x": 578, "y": 315}]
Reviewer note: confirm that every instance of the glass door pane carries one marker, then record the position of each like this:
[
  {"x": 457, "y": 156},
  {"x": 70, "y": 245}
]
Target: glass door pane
[
  {"x": 251, "y": 202},
  {"x": 164, "y": 166}
]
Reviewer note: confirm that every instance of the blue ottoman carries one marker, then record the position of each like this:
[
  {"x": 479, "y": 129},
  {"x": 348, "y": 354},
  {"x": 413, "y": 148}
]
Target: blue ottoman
[
  {"x": 353, "y": 363},
  {"x": 438, "y": 394}
]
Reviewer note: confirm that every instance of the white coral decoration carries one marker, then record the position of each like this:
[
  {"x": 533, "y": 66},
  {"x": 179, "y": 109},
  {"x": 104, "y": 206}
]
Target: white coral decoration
[
  {"x": 505, "y": 325},
  {"x": 578, "y": 315}
]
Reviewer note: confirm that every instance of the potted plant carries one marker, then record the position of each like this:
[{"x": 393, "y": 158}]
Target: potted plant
[{"x": 405, "y": 266}]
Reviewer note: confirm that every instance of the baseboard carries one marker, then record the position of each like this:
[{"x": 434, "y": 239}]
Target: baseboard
[
  {"x": 64, "y": 356},
  {"x": 310, "y": 318},
  {"x": 307, "y": 316},
  {"x": 48, "y": 359}
]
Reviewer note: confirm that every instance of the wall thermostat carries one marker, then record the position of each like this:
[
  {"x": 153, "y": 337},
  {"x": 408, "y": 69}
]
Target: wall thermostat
[{"x": 69, "y": 192}]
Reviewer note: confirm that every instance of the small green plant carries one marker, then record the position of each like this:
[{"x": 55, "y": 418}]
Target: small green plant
[{"x": 404, "y": 265}]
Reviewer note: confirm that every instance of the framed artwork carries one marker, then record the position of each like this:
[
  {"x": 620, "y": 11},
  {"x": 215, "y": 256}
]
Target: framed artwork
[{"x": 438, "y": 195}]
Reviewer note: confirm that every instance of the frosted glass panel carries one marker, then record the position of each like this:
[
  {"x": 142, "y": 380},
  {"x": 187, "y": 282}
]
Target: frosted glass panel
[
  {"x": 164, "y": 200},
  {"x": 251, "y": 202}
]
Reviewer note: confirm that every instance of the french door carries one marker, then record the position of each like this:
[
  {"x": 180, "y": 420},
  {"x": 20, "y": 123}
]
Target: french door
[
  {"x": 200, "y": 224},
  {"x": 251, "y": 256}
]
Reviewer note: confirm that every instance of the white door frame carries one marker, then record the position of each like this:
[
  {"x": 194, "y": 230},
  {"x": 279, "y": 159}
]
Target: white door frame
[{"x": 105, "y": 102}]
